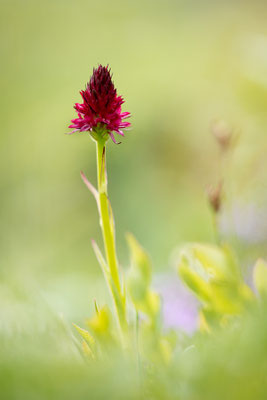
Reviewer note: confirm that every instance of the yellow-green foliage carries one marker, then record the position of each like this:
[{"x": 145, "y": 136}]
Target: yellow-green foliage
[
  {"x": 101, "y": 323},
  {"x": 139, "y": 280},
  {"x": 213, "y": 274},
  {"x": 260, "y": 277}
]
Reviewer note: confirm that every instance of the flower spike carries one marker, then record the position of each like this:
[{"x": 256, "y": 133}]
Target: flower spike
[{"x": 100, "y": 113}]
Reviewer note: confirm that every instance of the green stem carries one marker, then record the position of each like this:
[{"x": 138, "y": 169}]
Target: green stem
[
  {"x": 108, "y": 233},
  {"x": 216, "y": 228}
]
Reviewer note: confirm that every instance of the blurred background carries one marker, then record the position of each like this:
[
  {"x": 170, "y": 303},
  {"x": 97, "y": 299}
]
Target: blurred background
[{"x": 180, "y": 65}]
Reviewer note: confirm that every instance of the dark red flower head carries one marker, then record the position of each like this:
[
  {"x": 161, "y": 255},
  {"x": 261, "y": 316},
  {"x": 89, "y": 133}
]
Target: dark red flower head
[{"x": 101, "y": 107}]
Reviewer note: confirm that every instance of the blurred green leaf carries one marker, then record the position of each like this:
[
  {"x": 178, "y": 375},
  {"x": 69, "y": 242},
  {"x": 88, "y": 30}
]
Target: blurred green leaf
[
  {"x": 212, "y": 273},
  {"x": 85, "y": 335},
  {"x": 140, "y": 260},
  {"x": 101, "y": 323},
  {"x": 139, "y": 279},
  {"x": 260, "y": 277}
]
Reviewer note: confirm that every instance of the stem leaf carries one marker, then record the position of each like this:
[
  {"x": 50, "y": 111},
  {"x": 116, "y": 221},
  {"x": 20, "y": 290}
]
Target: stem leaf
[{"x": 92, "y": 189}]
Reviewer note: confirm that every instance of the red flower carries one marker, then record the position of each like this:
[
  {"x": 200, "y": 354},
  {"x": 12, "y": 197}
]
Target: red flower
[{"x": 101, "y": 107}]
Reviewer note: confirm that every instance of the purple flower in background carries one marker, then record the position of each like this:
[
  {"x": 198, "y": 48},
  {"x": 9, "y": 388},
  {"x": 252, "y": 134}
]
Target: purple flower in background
[
  {"x": 180, "y": 307},
  {"x": 101, "y": 107},
  {"x": 247, "y": 221}
]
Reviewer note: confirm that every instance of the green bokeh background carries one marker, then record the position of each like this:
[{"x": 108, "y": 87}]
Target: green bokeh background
[{"x": 179, "y": 65}]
